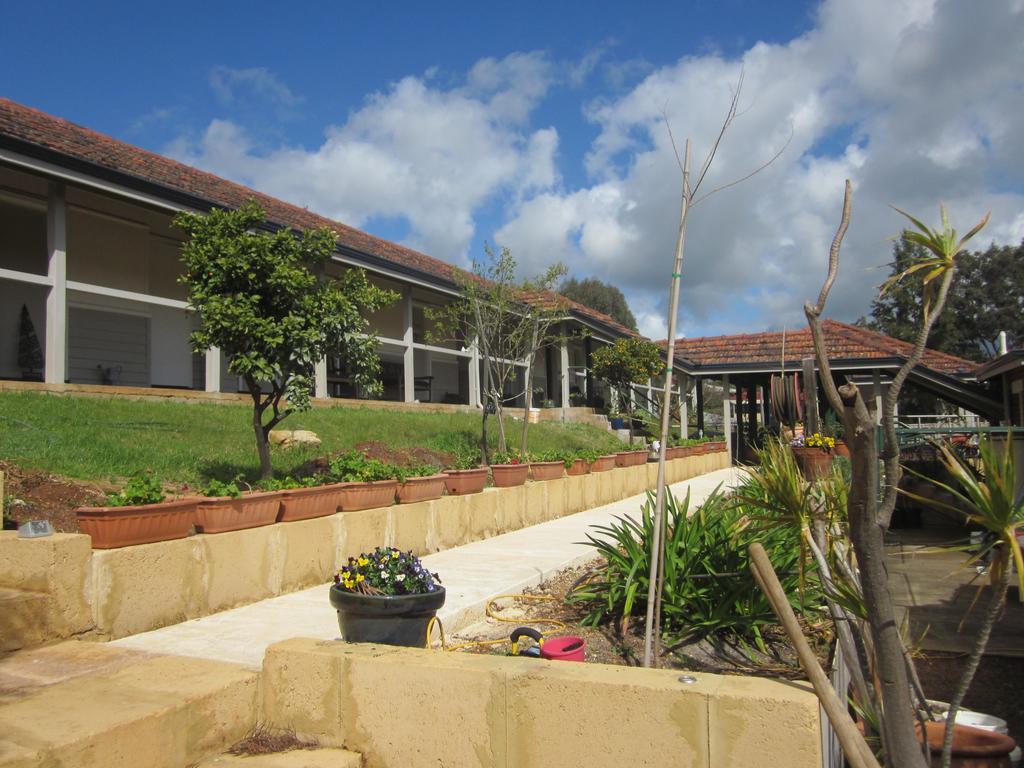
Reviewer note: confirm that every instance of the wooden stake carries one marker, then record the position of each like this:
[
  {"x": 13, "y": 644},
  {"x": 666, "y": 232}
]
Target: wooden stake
[{"x": 858, "y": 753}]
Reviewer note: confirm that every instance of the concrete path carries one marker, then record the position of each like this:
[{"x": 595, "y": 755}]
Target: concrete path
[{"x": 472, "y": 575}]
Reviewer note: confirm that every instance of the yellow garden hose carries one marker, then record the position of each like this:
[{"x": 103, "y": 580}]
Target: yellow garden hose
[{"x": 555, "y": 623}]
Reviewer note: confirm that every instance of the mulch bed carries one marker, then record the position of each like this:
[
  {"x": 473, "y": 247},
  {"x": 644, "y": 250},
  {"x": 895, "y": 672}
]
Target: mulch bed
[
  {"x": 609, "y": 644},
  {"x": 36, "y": 495}
]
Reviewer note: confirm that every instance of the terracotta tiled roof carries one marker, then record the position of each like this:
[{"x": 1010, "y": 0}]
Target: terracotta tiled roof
[
  {"x": 60, "y": 136},
  {"x": 844, "y": 342}
]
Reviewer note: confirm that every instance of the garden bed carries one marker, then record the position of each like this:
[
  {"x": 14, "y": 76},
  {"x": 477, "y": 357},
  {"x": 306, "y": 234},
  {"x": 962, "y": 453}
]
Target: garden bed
[{"x": 609, "y": 644}]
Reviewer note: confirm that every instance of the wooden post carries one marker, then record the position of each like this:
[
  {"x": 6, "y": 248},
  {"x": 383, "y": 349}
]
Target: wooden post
[
  {"x": 853, "y": 743},
  {"x": 810, "y": 397}
]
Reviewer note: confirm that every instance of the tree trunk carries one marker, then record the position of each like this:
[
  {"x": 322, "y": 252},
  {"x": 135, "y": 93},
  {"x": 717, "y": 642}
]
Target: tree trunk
[
  {"x": 261, "y": 432},
  {"x": 529, "y": 387},
  {"x": 898, "y": 736}
]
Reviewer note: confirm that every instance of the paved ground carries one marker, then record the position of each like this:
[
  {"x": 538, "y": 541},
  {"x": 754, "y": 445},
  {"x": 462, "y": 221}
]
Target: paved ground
[
  {"x": 934, "y": 588},
  {"x": 472, "y": 574}
]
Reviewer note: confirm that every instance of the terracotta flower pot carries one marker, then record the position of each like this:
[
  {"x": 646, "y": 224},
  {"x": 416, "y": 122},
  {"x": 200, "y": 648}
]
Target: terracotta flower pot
[
  {"x": 460, "y": 482},
  {"x": 112, "y": 527},
  {"x": 842, "y": 449},
  {"x": 813, "y": 462},
  {"x": 377, "y": 493},
  {"x": 972, "y": 747},
  {"x": 716, "y": 446},
  {"x": 421, "y": 489},
  {"x": 578, "y": 467},
  {"x": 604, "y": 463},
  {"x": 637, "y": 458},
  {"x": 546, "y": 470},
  {"x": 509, "y": 475},
  {"x": 623, "y": 458},
  {"x": 250, "y": 510},
  {"x": 306, "y": 503}
]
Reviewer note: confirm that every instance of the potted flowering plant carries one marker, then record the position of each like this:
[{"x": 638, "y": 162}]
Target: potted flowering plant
[
  {"x": 467, "y": 476},
  {"x": 386, "y": 596},
  {"x": 508, "y": 469},
  {"x": 367, "y": 482},
  {"x": 139, "y": 514},
  {"x": 420, "y": 483},
  {"x": 548, "y": 465},
  {"x": 813, "y": 454}
]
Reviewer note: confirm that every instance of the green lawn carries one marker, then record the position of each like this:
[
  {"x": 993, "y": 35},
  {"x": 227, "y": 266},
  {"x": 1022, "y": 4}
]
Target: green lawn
[{"x": 110, "y": 439}]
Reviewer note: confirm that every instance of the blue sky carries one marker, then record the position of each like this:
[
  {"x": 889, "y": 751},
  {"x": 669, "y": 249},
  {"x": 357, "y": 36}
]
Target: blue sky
[{"x": 446, "y": 125}]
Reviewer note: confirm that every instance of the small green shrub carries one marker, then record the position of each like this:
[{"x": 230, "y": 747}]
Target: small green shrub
[
  {"x": 709, "y": 589},
  {"x": 354, "y": 466},
  {"x": 510, "y": 457},
  {"x": 141, "y": 489},
  {"x": 422, "y": 470},
  {"x": 218, "y": 489}
]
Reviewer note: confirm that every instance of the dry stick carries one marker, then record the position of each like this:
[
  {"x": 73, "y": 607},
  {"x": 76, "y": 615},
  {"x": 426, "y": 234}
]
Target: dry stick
[
  {"x": 858, "y": 753},
  {"x": 892, "y": 679},
  {"x": 652, "y": 627}
]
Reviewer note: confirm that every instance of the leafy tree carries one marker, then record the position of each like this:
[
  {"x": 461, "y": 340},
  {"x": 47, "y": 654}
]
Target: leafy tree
[
  {"x": 624, "y": 362},
  {"x": 509, "y": 322},
  {"x": 261, "y": 304},
  {"x": 985, "y": 299},
  {"x": 600, "y": 296}
]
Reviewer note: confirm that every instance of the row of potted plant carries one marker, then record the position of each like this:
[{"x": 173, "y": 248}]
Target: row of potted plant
[
  {"x": 681, "y": 448},
  {"x": 142, "y": 513}
]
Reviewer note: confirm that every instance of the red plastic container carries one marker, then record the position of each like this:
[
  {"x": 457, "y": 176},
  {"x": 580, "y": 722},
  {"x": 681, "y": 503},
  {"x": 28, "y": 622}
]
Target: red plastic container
[{"x": 564, "y": 648}]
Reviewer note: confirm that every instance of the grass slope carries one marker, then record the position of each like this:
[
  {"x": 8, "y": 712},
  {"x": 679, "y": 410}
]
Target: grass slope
[{"x": 109, "y": 439}]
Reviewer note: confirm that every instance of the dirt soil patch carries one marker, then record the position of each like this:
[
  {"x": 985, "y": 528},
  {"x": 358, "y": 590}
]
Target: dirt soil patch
[
  {"x": 36, "y": 495},
  {"x": 610, "y": 644}
]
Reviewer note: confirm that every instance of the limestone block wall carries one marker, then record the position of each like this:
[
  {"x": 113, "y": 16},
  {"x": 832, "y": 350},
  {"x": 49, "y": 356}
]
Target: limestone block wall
[
  {"x": 44, "y": 588},
  {"x": 402, "y": 706},
  {"x": 121, "y": 592}
]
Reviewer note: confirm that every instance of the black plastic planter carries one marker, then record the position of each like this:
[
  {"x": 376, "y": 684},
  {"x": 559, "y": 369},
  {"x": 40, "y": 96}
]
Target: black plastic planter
[{"x": 386, "y": 619}]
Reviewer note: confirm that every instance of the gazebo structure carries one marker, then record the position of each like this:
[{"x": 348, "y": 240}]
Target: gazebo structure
[{"x": 747, "y": 362}]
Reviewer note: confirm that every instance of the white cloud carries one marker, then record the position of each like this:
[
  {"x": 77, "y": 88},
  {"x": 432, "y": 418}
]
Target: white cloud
[
  {"x": 415, "y": 152},
  {"x": 230, "y": 85},
  {"x": 916, "y": 102}
]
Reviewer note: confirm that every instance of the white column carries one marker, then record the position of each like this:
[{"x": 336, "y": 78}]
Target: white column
[
  {"x": 55, "y": 371},
  {"x": 727, "y": 414},
  {"x": 684, "y": 410},
  {"x": 409, "y": 356},
  {"x": 320, "y": 378},
  {"x": 563, "y": 364},
  {"x": 213, "y": 369},
  {"x": 474, "y": 375},
  {"x": 877, "y": 383}
]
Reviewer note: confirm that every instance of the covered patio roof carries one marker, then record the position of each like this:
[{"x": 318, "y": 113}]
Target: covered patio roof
[{"x": 852, "y": 350}]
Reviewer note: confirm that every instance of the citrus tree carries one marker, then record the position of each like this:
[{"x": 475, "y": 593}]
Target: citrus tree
[
  {"x": 263, "y": 301},
  {"x": 626, "y": 361}
]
